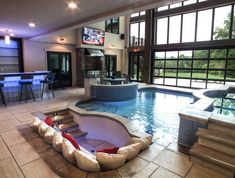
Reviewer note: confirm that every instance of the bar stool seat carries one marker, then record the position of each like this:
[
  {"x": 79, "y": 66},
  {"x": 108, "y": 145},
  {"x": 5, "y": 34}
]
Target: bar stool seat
[
  {"x": 26, "y": 83},
  {"x": 49, "y": 80}
]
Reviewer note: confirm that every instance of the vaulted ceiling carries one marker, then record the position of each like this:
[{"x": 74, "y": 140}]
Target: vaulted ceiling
[{"x": 54, "y": 15}]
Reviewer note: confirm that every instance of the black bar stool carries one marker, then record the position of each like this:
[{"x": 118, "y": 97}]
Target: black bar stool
[
  {"x": 49, "y": 80},
  {"x": 26, "y": 83},
  {"x": 1, "y": 89}
]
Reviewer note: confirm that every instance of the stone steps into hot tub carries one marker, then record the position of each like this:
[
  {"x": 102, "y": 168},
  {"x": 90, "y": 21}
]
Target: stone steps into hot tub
[
  {"x": 223, "y": 124},
  {"x": 65, "y": 118},
  {"x": 216, "y": 140},
  {"x": 216, "y": 160},
  {"x": 68, "y": 127}
]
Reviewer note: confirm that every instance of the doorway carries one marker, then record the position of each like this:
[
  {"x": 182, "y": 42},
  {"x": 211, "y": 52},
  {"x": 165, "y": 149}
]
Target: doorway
[
  {"x": 60, "y": 64},
  {"x": 110, "y": 64},
  {"x": 136, "y": 66}
]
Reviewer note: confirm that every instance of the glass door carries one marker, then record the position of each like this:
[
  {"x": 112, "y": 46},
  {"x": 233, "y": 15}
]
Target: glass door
[
  {"x": 60, "y": 64},
  {"x": 110, "y": 64},
  {"x": 136, "y": 66}
]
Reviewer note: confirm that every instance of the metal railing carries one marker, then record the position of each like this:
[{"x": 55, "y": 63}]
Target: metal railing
[{"x": 136, "y": 42}]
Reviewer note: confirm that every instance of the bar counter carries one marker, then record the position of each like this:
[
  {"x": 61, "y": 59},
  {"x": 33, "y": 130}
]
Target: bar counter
[{"x": 11, "y": 89}]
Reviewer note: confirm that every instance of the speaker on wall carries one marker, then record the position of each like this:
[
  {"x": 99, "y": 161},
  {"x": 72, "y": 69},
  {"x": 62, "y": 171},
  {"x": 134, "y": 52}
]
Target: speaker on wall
[{"x": 122, "y": 36}]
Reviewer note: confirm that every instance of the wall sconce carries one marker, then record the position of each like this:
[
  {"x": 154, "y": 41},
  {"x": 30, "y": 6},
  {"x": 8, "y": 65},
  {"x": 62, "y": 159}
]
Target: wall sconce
[{"x": 61, "y": 41}]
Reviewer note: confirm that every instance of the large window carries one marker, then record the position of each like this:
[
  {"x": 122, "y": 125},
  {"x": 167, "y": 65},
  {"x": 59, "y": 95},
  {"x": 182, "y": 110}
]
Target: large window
[
  {"x": 200, "y": 25},
  {"x": 195, "y": 68},
  {"x": 112, "y": 25},
  {"x": 137, "y": 34}
]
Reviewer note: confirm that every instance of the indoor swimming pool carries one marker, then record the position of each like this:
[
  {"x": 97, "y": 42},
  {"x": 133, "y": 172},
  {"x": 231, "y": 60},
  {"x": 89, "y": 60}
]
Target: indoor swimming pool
[{"x": 154, "y": 110}]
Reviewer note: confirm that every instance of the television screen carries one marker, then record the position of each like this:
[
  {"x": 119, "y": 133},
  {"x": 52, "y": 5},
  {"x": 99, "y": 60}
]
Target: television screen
[{"x": 93, "y": 36}]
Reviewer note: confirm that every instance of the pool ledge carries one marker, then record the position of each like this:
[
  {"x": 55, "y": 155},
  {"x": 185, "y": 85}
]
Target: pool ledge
[{"x": 199, "y": 115}]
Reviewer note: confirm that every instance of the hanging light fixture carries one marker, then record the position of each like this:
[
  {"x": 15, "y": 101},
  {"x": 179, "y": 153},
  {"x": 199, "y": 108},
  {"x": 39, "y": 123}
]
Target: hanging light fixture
[
  {"x": 7, "y": 36},
  {"x": 7, "y": 39}
]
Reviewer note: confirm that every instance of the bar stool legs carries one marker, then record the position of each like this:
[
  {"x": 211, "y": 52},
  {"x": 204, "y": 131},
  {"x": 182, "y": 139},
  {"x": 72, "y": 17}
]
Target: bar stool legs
[
  {"x": 52, "y": 90},
  {"x": 47, "y": 89},
  {"x": 2, "y": 96},
  {"x": 27, "y": 89}
]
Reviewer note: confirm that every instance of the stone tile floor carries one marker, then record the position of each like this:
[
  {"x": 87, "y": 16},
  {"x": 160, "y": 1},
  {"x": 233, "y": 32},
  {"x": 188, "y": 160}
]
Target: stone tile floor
[{"x": 24, "y": 154}]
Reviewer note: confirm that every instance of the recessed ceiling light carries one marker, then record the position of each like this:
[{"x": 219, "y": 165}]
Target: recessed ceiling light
[
  {"x": 72, "y": 5},
  {"x": 12, "y": 34},
  {"x": 31, "y": 24}
]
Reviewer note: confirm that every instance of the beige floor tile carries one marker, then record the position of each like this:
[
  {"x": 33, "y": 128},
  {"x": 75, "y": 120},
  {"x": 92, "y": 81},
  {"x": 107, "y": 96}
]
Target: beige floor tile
[
  {"x": 6, "y": 115},
  {"x": 13, "y": 137},
  {"x": 26, "y": 131},
  {"x": 70, "y": 171},
  {"x": 150, "y": 153},
  {"x": 162, "y": 141},
  {"x": 174, "y": 162},
  {"x": 4, "y": 152},
  {"x": 8, "y": 125},
  {"x": 53, "y": 158},
  {"x": 38, "y": 169},
  {"x": 202, "y": 172},
  {"x": 18, "y": 109},
  {"x": 107, "y": 174},
  {"x": 24, "y": 118},
  {"x": 24, "y": 153},
  {"x": 173, "y": 146},
  {"x": 146, "y": 171},
  {"x": 163, "y": 173},
  {"x": 9, "y": 169},
  {"x": 132, "y": 167},
  {"x": 38, "y": 144}
]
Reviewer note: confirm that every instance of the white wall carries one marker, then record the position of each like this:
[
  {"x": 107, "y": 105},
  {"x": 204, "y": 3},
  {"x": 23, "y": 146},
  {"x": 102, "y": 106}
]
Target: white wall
[{"x": 35, "y": 55}]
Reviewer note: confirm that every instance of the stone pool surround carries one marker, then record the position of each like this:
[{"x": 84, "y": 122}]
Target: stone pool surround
[
  {"x": 199, "y": 114},
  {"x": 130, "y": 144}
]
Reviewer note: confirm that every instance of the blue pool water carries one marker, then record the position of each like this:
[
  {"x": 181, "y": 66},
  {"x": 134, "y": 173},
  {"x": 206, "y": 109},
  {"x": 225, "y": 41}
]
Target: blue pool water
[
  {"x": 225, "y": 105},
  {"x": 154, "y": 111}
]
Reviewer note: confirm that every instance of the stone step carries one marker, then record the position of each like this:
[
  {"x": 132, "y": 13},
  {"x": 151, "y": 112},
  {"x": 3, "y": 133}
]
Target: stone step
[
  {"x": 222, "y": 129},
  {"x": 214, "y": 157},
  {"x": 216, "y": 140},
  {"x": 70, "y": 126},
  {"x": 63, "y": 118},
  {"x": 78, "y": 133},
  {"x": 223, "y": 124}
]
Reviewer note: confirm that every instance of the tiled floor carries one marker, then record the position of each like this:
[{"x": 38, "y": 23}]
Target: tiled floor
[{"x": 24, "y": 154}]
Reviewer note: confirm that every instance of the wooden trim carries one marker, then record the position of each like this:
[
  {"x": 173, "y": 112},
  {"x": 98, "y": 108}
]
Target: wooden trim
[
  {"x": 193, "y": 7},
  {"x": 195, "y": 45}
]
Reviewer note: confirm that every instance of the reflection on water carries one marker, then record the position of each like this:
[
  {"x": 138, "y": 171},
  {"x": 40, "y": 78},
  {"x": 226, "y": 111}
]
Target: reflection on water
[
  {"x": 154, "y": 111},
  {"x": 226, "y": 105}
]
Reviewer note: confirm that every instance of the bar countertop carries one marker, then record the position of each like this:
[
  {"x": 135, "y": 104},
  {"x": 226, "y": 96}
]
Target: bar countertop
[{"x": 24, "y": 73}]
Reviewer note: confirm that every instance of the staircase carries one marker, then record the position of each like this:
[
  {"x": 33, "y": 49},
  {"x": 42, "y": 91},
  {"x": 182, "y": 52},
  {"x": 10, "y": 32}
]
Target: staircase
[
  {"x": 65, "y": 123},
  {"x": 216, "y": 147}
]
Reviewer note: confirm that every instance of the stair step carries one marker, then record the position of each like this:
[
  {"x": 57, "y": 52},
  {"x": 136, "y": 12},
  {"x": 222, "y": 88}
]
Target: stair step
[
  {"x": 213, "y": 156},
  {"x": 222, "y": 129},
  {"x": 68, "y": 126},
  {"x": 77, "y": 133},
  {"x": 63, "y": 118},
  {"x": 218, "y": 137}
]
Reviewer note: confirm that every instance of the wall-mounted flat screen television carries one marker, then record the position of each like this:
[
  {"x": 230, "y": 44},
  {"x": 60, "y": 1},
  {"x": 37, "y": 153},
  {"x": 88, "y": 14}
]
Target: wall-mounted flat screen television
[{"x": 92, "y": 36}]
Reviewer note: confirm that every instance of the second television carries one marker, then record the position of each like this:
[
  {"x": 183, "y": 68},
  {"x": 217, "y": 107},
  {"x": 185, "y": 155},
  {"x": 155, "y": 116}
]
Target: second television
[{"x": 93, "y": 36}]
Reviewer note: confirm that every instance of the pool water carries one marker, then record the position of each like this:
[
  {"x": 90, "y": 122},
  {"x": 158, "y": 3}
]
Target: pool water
[
  {"x": 226, "y": 105},
  {"x": 154, "y": 111}
]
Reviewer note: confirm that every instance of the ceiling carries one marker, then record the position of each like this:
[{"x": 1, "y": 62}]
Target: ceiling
[{"x": 54, "y": 15}]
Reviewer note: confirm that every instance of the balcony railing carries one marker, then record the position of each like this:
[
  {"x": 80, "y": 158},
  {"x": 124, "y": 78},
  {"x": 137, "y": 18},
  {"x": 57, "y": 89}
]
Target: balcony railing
[{"x": 136, "y": 42}]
